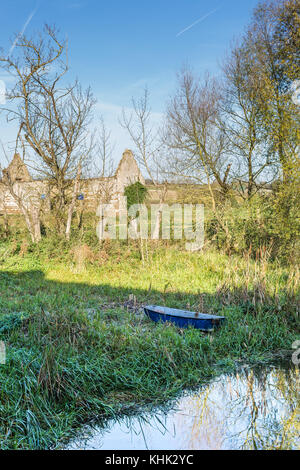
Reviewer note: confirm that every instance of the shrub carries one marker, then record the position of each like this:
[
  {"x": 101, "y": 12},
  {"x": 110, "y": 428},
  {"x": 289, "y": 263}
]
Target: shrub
[{"x": 136, "y": 194}]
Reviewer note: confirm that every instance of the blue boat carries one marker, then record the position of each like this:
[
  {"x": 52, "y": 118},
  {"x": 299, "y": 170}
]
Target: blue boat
[{"x": 183, "y": 318}]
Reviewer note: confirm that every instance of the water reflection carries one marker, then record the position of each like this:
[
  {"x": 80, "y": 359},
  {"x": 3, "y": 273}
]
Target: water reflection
[{"x": 257, "y": 408}]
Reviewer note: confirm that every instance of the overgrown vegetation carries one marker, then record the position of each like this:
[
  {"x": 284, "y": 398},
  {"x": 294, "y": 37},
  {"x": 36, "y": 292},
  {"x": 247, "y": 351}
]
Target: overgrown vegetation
[
  {"x": 79, "y": 348},
  {"x": 269, "y": 222}
]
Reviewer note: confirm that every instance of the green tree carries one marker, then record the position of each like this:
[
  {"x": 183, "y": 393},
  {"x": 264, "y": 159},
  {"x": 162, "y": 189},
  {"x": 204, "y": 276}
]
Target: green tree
[{"x": 273, "y": 39}]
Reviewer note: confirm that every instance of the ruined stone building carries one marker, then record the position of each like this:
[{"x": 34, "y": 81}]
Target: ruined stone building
[{"x": 92, "y": 190}]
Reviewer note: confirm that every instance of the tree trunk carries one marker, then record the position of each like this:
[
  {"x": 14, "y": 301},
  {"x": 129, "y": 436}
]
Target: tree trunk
[
  {"x": 73, "y": 202},
  {"x": 36, "y": 224},
  {"x": 28, "y": 223}
]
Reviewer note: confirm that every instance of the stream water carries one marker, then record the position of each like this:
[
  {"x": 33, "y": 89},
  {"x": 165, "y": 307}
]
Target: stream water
[{"x": 256, "y": 408}]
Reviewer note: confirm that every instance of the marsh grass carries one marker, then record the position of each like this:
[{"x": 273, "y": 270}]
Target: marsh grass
[{"x": 79, "y": 348}]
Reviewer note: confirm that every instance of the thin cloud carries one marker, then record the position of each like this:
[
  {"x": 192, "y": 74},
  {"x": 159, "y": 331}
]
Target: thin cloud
[
  {"x": 197, "y": 21},
  {"x": 115, "y": 109},
  {"x": 75, "y": 5},
  {"x": 22, "y": 30}
]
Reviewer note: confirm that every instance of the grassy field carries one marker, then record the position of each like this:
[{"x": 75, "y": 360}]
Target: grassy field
[{"x": 79, "y": 348}]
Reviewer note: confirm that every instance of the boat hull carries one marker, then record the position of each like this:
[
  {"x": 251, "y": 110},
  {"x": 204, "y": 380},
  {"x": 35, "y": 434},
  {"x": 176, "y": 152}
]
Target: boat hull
[{"x": 204, "y": 324}]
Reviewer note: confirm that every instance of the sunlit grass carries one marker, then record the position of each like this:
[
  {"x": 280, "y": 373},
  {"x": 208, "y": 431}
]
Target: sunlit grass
[{"x": 78, "y": 349}]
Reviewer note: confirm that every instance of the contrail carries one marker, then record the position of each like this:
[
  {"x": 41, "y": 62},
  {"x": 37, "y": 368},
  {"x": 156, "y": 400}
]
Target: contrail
[
  {"x": 22, "y": 30},
  {"x": 198, "y": 21}
]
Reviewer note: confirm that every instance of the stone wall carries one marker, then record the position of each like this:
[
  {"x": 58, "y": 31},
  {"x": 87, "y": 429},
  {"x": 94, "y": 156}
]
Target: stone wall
[{"x": 94, "y": 190}]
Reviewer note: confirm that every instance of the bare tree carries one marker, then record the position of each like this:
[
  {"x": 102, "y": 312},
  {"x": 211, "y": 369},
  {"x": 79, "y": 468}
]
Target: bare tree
[
  {"x": 102, "y": 163},
  {"x": 140, "y": 126},
  {"x": 99, "y": 184},
  {"x": 53, "y": 118},
  {"x": 242, "y": 121},
  {"x": 73, "y": 202},
  {"x": 194, "y": 135},
  {"x": 146, "y": 139},
  {"x": 103, "y": 160}
]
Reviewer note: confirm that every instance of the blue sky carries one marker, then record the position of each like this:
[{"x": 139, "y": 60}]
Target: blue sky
[{"x": 118, "y": 47}]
